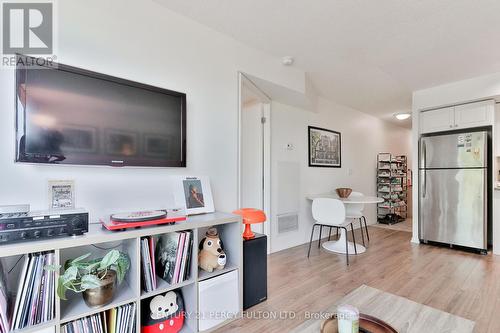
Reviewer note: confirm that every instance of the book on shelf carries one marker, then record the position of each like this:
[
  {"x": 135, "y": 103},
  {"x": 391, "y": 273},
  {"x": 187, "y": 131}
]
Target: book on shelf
[
  {"x": 35, "y": 299},
  {"x": 121, "y": 319},
  {"x": 173, "y": 256}
]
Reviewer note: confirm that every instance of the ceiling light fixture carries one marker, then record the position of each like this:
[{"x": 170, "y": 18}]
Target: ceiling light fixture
[
  {"x": 287, "y": 61},
  {"x": 402, "y": 116}
]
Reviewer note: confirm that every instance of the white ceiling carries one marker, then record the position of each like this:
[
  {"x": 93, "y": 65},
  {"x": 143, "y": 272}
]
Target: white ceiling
[{"x": 369, "y": 55}]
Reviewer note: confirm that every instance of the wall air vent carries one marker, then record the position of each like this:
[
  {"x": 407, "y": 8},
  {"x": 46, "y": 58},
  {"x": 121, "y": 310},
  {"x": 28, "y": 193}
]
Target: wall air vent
[{"x": 288, "y": 222}]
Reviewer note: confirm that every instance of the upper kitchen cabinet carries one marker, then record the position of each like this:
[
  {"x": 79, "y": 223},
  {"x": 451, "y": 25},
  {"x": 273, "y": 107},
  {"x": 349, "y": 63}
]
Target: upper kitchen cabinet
[
  {"x": 458, "y": 117},
  {"x": 474, "y": 114},
  {"x": 437, "y": 120}
]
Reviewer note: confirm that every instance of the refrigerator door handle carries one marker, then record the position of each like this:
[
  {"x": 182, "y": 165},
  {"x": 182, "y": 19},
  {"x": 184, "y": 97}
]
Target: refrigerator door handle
[{"x": 424, "y": 162}]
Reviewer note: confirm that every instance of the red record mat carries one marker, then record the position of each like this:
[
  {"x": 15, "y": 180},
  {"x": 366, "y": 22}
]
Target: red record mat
[{"x": 172, "y": 216}]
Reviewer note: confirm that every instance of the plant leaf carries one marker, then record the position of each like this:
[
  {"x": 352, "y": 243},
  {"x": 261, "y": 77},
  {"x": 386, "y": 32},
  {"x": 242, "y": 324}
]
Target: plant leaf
[
  {"x": 52, "y": 268},
  {"x": 90, "y": 281},
  {"x": 122, "y": 266},
  {"x": 69, "y": 275},
  {"x": 109, "y": 259},
  {"x": 91, "y": 267},
  {"x": 80, "y": 258},
  {"x": 61, "y": 289}
]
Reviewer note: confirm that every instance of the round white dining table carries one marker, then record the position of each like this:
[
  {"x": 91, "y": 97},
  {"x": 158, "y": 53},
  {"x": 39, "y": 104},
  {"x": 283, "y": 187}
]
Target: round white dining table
[{"x": 339, "y": 246}]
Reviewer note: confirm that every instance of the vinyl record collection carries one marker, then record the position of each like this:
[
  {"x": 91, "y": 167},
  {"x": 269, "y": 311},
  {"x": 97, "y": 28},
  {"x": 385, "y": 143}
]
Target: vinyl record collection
[
  {"x": 148, "y": 263},
  {"x": 172, "y": 258},
  {"x": 4, "y": 310},
  {"x": 117, "y": 320},
  {"x": 35, "y": 298}
]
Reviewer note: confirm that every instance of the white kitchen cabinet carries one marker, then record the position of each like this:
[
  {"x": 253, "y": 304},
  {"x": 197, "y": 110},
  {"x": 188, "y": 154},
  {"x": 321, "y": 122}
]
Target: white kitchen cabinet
[
  {"x": 474, "y": 114},
  {"x": 437, "y": 120},
  {"x": 458, "y": 117}
]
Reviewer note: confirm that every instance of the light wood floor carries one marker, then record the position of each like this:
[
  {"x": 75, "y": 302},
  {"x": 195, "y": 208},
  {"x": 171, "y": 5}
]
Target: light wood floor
[{"x": 465, "y": 284}]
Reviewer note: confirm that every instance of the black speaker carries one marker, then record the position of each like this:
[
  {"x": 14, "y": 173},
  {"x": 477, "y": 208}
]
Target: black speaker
[{"x": 254, "y": 270}]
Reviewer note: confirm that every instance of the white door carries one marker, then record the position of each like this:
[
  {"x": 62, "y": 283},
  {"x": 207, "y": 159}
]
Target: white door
[
  {"x": 252, "y": 173},
  {"x": 255, "y": 152},
  {"x": 437, "y": 120},
  {"x": 474, "y": 114}
]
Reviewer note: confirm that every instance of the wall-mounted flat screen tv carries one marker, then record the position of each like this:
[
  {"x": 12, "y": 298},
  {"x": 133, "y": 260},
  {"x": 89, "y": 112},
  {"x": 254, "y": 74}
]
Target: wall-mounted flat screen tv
[{"x": 67, "y": 115}]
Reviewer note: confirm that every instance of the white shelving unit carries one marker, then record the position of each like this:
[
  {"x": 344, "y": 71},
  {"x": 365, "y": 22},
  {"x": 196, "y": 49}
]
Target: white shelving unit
[
  {"x": 392, "y": 185},
  {"x": 98, "y": 241}
]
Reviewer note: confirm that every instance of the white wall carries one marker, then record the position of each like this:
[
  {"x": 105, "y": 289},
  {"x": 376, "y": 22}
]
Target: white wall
[
  {"x": 143, "y": 41},
  {"x": 363, "y": 136},
  {"x": 474, "y": 89}
]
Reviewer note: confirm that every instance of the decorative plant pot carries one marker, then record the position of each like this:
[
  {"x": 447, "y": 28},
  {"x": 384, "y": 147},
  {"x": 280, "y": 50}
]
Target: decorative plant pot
[
  {"x": 343, "y": 192},
  {"x": 102, "y": 295}
]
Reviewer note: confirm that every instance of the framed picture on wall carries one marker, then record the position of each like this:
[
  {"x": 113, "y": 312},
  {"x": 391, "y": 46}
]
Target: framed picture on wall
[
  {"x": 195, "y": 194},
  {"x": 324, "y": 148},
  {"x": 61, "y": 194}
]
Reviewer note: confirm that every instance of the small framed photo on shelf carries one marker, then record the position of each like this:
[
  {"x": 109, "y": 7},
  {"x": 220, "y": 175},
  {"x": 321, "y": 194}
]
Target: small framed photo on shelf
[
  {"x": 61, "y": 194},
  {"x": 195, "y": 194}
]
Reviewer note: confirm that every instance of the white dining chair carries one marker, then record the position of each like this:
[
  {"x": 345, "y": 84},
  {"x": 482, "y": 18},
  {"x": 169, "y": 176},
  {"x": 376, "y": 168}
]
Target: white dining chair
[
  {"x": 329, "y": 212},
  {"x": 355, "y": 212}
]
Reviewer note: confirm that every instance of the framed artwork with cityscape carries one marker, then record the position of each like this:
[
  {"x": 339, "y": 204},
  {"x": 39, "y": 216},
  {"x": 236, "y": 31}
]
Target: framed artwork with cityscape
[{"x": 324, "y": 148}]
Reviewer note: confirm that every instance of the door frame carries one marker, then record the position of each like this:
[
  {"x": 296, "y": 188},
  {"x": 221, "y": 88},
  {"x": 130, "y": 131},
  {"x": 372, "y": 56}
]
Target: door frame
[{"x": 243, "y": 79}]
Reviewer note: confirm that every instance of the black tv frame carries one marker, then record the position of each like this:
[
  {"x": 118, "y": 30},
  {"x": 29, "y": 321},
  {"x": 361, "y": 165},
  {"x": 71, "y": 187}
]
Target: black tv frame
[{"x": 27, "y": 61}]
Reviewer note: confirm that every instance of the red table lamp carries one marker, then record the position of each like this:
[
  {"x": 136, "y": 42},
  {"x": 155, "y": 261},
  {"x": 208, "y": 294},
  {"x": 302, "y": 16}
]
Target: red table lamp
[{"x": 250, "y": 216}]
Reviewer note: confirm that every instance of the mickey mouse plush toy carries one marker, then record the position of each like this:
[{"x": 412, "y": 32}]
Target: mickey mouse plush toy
[{"x": 166, "y": 314}]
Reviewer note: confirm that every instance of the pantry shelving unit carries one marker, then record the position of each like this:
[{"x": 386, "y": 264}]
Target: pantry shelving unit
[
  {"x": 98, "y": 241},
  {"x": 392, "y": 186}
]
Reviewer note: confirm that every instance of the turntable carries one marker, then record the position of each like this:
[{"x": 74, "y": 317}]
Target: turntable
[{"x": 123, "y": 221}]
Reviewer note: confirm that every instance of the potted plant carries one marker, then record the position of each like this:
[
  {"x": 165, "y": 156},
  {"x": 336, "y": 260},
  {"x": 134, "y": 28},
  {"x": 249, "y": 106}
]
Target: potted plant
[{"x": 95, "y": 278}]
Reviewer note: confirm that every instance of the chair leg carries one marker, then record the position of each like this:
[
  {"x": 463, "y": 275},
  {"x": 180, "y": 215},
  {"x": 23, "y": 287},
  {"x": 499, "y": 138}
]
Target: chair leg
[
  {"x": 311, "y": 240},
  {"x": 337, "y": 233},
  {"x": 366, "y": 228},
  {"x": 346, "y": 246},
  {"x": 353, "y": 239},
  {"x": 362, "y": 233},
  {"x": 320, "y": 232},
  {"x": 330, "y": 233}
]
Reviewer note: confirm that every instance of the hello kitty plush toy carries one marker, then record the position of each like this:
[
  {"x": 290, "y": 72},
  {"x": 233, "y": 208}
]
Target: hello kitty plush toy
[{"x": 164, "y": 314}]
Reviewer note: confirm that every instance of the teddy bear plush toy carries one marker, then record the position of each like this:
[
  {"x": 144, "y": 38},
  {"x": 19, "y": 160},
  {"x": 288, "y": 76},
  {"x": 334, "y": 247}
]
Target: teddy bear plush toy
[
  {"x": 164, "y": 314},
  {"x": 211, "y": 256}
]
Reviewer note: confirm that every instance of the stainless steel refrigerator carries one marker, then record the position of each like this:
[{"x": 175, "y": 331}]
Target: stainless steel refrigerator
[{"x": 453, "y": 196}]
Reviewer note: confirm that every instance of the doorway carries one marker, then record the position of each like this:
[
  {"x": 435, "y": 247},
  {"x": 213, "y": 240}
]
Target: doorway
[{"x": 255, "y": 151}]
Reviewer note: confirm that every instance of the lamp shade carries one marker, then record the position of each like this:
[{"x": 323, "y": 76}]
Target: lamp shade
[{"x": 250, "y": 216}]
